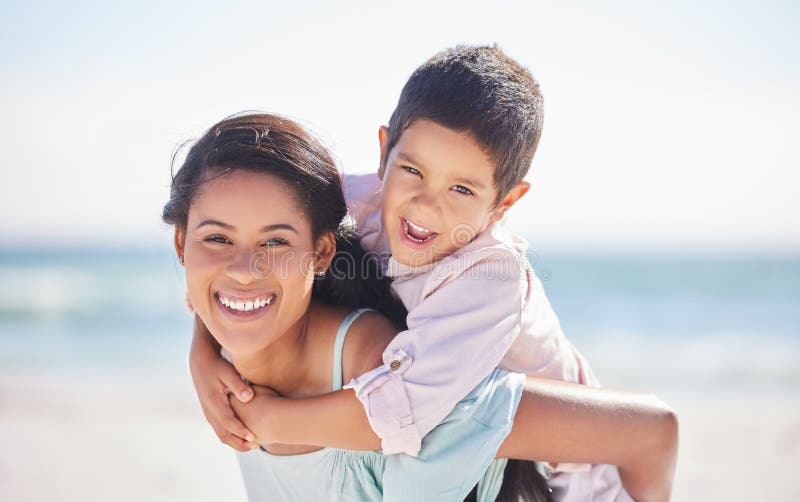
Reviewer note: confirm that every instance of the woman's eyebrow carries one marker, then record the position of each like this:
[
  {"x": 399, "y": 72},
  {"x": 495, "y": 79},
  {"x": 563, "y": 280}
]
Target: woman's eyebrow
[
  {"x": 215, "y": 222},
  {"x": 265, "y": 228}
]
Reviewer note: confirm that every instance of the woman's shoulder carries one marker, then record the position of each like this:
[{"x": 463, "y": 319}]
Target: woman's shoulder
[{"x": 366, "y": 340}]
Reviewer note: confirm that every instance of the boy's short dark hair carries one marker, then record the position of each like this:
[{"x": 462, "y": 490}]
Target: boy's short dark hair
[{"x": 483, "y": 91}]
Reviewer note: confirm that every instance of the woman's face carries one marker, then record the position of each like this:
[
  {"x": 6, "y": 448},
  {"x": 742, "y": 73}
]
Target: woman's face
[{"x": 249, "y": 259}]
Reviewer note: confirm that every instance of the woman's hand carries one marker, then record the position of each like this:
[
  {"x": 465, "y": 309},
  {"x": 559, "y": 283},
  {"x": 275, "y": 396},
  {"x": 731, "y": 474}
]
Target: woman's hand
[{"x": 214, "y": 379}]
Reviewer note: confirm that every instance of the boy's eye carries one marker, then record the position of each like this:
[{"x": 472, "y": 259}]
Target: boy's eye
[
  {"x": 217, "y": 239},
  {"x": 410, "y": 170},
  {"x": 462, "y": 189}
]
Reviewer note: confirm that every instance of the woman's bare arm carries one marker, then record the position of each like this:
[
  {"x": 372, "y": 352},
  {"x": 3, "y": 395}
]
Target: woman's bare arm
[
  {"x": 214, "y": 380},
  {"x": 563, "y": 422}
]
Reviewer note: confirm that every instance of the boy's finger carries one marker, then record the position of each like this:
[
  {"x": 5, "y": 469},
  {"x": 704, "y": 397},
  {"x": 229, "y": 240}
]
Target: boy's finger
[{"x": 238, "y": 387}]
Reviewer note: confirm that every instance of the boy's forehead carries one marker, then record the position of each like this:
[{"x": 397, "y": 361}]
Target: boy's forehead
[{"x": 430, "y": 145}]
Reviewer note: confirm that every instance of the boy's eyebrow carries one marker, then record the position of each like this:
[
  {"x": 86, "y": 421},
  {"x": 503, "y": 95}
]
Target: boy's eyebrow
[
  {"x": 405, "y": 157},
  {"x": 402, "y": 156},
  {"x": 468, "y": 181},
  {"x": 265, "y": 228}
]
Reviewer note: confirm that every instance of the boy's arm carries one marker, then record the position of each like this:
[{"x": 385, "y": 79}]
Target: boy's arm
[
  {"x": 334, "y": 420},
  {"x": 214, "y": 378},
  {"x": 457, "y": 335},
  {"x": 564, "y": 422}
]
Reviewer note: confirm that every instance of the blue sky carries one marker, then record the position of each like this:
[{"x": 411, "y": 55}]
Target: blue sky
[{"x": 668, "y": 126}]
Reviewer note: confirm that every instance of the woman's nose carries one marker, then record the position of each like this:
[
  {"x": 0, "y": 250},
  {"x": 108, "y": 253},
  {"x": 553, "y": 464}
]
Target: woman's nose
[{"x": 240, "y": 267}]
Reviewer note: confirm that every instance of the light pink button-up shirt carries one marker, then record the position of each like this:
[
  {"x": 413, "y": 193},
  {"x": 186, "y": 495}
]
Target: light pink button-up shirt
[{"x": 478, "y": 308}]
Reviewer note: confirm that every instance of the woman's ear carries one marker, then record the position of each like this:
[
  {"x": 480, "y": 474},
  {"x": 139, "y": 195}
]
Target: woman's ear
[
  {"x": 180, "y": 242},
  {"x": 509, "y": 200},
  {"x": 383, "y": 135},
  {"x": 325, "y": 249}
]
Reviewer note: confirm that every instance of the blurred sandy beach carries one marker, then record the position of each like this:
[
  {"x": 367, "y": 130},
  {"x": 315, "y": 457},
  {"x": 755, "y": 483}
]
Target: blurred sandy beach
[
  {"x": 96, "y": 402},
  {"x": 98, "y": 437}
]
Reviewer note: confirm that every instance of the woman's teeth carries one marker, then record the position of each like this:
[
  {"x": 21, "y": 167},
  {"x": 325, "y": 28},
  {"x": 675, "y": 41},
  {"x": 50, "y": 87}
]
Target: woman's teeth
[
  {"x": 418, "y": 233},
  {"x": 246, "y": 306}
]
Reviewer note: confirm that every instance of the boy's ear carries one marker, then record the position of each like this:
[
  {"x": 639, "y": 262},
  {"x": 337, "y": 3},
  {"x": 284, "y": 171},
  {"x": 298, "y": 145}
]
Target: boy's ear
[
  {"x": 509, "y": 200},
  {"x": 180, "y": 242},
  {"x": 383, "y": 136}
]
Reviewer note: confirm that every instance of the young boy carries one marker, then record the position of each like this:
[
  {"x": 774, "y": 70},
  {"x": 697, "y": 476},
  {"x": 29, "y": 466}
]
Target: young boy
[{"x": 453, "y": 159}]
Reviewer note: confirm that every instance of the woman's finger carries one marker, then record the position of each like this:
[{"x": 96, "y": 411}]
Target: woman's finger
[
  {"x": 232, "y": 440},
  {"x": 236, "y": 443},
  {"x": 231, "y": 423}
]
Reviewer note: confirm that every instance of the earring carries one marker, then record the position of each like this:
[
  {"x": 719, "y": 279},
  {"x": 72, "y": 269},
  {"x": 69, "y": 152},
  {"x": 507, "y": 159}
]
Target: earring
[
  {"x": 180, "y": 259},
  {"x": 320, "y": 273}
]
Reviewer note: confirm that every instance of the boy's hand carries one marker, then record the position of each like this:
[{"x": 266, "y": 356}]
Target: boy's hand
[
  {"x": 257, "y": 412},
  {"x": 214, "y": 378}
]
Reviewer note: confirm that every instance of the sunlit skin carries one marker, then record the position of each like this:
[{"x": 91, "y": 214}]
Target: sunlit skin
[
  {"x": 241, "y": 214},
  {"x": 438, "y": 192},
  {"x": 234, "y": 249}
]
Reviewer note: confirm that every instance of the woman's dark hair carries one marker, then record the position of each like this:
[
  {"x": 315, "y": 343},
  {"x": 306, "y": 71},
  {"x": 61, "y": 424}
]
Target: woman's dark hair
[
  {"x": 522, "y": 481},
  {"x": 274, "y": 145}
]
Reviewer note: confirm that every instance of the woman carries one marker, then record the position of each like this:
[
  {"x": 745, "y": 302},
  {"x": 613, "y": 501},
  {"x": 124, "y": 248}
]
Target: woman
[{"x": 258, "y": 212}]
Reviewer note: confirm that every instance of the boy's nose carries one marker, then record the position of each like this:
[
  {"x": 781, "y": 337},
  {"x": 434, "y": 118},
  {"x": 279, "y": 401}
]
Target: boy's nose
[{"x": 427, "y": 200}]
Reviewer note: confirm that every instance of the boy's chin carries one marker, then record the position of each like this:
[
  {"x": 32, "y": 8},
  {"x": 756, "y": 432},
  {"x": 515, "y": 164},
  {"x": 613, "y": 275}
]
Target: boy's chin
[{"x": 412, "y": 258}]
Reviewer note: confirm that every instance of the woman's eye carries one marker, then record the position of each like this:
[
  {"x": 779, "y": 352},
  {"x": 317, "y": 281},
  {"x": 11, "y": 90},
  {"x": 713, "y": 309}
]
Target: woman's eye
[
  {"x": 411, "y": 170},
  {"x": 217, "y": 239},
  {"x": 275, "y": 242},
  {"x": 462, "y": 189}
]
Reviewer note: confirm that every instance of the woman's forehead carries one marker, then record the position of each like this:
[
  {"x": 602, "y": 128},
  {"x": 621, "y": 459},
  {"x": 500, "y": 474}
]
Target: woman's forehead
[{"x": 247, "y": 197}]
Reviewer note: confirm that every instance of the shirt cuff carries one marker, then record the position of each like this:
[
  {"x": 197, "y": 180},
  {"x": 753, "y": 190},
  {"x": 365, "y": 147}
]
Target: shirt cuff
[
  {"x": 566, "y": 467},
  {"x": 382, "y": 391}
]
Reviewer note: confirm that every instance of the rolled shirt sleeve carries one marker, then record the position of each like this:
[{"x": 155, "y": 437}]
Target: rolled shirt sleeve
[{"x": 457, "y": 334}]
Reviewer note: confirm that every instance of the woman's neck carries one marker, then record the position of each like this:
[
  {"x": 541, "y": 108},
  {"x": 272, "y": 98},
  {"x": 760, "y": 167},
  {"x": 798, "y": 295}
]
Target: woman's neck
[{"x": 283, "y": 364}]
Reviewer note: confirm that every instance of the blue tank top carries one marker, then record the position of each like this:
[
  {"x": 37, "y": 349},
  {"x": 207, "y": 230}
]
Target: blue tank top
[
  {"x": 326, "y": 474},
  {"x": 331, "y": 474}
]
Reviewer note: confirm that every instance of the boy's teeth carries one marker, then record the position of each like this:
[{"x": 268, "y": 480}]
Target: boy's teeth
[
  {"x": 417, "y": 227},
  {"x": 418, "y": 233}
]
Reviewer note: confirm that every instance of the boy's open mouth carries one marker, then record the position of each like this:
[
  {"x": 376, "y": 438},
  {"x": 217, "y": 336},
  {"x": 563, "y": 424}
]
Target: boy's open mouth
[{"x": 417, "y": 233}]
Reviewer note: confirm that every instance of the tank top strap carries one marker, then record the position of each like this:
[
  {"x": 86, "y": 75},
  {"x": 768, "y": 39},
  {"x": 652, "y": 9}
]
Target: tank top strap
[{"x": 341, "y": 333}]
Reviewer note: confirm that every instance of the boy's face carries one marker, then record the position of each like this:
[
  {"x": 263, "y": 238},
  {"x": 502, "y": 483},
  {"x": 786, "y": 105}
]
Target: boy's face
[{"x": 438, "y": 192}]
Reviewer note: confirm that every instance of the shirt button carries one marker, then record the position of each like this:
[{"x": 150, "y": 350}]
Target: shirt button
[{"x": 394, "y": 365}]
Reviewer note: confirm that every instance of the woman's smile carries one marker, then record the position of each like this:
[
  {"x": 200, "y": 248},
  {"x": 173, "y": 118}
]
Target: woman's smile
[{"x": 245, "y": 308}]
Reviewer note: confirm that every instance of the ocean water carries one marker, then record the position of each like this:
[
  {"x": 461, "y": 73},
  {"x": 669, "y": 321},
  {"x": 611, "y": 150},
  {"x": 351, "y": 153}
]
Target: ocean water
[{"x": 663, "y": 323}]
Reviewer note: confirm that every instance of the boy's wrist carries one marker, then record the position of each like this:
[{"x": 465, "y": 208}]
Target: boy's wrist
[{"x": 262, "y": 415}]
